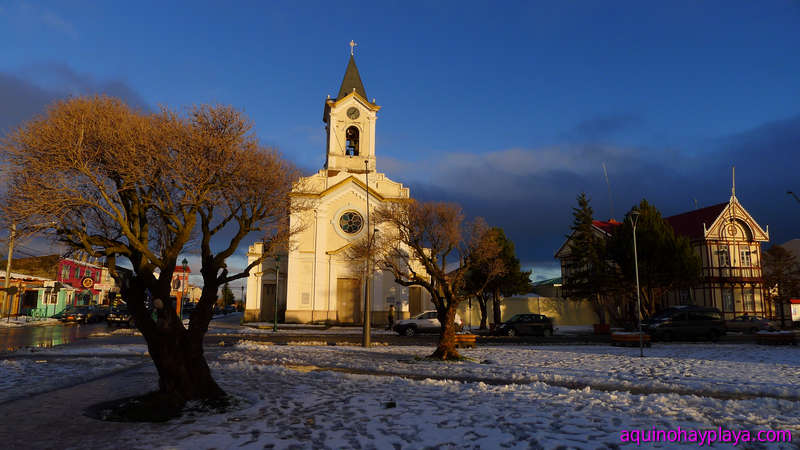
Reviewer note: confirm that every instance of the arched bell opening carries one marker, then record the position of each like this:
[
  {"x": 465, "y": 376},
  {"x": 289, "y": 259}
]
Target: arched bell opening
[{"x": 352, "y": 141}]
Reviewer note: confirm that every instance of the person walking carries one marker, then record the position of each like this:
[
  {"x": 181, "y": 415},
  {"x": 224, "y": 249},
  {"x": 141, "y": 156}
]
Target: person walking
[{"x": 390, "y": 318}]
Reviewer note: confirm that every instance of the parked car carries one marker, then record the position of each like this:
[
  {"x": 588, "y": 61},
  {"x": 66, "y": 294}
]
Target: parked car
[
  {"x": 120, "y": 316},
  {"x": 526, "y": 324},
  {"x": 426, "y": 322},
  {"x": 750, "y": 324},
  {"x": 62, "y": 314},
  {"x": 686, "y": 322},
  {"x": 228, "y": 309},
  {"x": 82, "y": 314}
]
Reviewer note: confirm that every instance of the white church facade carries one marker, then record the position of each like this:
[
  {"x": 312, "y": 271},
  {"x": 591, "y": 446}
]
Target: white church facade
[{"x": 318, "y": 281}]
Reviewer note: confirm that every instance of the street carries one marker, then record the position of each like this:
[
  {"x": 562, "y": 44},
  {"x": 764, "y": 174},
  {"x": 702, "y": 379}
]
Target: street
[{"x": 46, "y": 336}]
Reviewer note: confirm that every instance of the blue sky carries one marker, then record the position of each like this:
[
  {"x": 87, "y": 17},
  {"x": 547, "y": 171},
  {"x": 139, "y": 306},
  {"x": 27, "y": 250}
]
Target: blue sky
[{"x": 509, "y": 108}]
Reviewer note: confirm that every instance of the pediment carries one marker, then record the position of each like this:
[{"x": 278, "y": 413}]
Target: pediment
[{"x": 735, "y": 223}]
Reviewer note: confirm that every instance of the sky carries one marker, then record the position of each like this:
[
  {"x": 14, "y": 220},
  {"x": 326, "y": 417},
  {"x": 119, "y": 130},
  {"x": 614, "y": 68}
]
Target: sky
[{"x": 509, "y": 108}]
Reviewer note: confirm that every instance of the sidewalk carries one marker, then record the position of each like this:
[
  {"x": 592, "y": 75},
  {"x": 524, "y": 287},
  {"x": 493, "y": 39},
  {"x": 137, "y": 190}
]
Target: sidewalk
[{"x": 55, "y": 419}]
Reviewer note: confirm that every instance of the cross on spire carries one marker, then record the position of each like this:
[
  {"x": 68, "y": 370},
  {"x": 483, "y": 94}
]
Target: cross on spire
[{"x": 352, "y": 47}]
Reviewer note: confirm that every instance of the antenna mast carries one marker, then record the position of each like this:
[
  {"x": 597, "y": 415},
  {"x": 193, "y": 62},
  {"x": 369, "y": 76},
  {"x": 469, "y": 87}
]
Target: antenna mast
[{"x": 610, "y": 197}]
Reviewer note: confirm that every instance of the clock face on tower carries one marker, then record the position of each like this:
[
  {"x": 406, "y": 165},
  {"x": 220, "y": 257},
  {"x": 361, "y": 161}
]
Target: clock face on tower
[{"x": 353, "y": 113}]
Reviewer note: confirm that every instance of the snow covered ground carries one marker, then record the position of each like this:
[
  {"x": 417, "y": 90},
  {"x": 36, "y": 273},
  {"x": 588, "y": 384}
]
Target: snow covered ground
[
  {"x": 26, "y": 321},
  {"x": 512, "y": 397}
]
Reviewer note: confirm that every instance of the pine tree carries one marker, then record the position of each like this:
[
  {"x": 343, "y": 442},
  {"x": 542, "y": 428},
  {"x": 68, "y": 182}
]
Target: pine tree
[{"x": 587, "y": 272}]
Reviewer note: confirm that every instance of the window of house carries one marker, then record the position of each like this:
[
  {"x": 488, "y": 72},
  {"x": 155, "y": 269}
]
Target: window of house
[
  {"x": 745, "y": 255},
  {"x": 724, "y": 258},
  {"x": 748, "y": 298},
  {"x": 64, "y": 272},
  {"x": 77, "y": 272},
  {"x": 685, "y": 297},
  {"x": 727, "y": 300}
]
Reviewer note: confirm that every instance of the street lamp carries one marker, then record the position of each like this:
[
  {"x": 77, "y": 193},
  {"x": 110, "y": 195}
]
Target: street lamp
[
  {"x": 275, "y": 310},
  {"x": 365, "y": 338},
  {"x": 635, "y": 218}
]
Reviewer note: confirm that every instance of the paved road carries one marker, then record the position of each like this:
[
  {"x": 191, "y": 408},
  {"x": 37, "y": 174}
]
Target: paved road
[{"x": 46, "y": 335}]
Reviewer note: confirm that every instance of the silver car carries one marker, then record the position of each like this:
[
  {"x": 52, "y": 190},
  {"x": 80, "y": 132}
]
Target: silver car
[
  {"x": 426, "y": 322},
  {"x": 750, "y": 324}
]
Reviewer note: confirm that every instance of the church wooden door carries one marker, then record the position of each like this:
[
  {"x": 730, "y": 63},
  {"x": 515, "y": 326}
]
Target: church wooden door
[
  {"x": 268, "y": 303},
  {"x": 348, "y": 300},
  {"x": 414, "y": 300}
]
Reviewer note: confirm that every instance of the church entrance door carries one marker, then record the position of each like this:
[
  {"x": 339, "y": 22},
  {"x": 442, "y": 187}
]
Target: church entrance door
[
  {"x": 414, "y": 300},
  {"x": 268, "y": 303},
  {"x": 348, "y": 300}
]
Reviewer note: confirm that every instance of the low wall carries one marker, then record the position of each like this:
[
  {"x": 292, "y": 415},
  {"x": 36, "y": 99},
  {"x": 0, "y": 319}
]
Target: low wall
[{"x": 561, "y": 310}]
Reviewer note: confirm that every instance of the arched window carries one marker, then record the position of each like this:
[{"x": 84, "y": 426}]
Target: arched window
[{"x": 351, "y": 146}]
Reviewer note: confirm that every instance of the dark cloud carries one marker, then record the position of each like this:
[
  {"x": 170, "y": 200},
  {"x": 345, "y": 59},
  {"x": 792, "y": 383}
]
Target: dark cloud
[
  {"x": 604, "y": 126},
  {"x": 26, "y": 94},
  {"x": 531, "y": 192}
]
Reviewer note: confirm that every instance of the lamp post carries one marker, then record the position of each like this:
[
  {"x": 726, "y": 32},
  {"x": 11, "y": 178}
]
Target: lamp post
[
  {"x": 185, "y": 265},
  {"x": 365, "y": 338},
  {"x": 634, "y": 219},
  {"x": 275, "y": 310}
]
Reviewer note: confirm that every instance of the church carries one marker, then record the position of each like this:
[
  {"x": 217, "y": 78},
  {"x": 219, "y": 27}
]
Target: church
[{"x": 316, "y": 281}]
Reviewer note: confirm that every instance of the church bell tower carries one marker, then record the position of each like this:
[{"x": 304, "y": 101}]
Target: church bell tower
[{"x": 350, "y": 124}]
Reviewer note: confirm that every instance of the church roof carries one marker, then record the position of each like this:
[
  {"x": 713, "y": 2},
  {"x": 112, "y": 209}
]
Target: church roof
[
  {"x": 352, "y": 80},
  {"x": 690, "y": 224}
]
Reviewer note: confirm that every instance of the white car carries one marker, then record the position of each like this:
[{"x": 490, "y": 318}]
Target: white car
[{"x": 426, "y": 322}]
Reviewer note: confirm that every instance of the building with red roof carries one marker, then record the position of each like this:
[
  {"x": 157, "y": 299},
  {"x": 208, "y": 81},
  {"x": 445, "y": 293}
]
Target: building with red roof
[{"x": 728, "y": 241}]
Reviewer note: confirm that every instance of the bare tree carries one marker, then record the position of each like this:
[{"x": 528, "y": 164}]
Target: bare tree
[
  {"x": 114, "y": 182},
  {"x": 427, "y": 245}
]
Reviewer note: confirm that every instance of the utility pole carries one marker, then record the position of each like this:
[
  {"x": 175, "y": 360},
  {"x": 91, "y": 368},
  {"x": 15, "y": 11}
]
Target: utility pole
[{"x": 12, "y": 234}]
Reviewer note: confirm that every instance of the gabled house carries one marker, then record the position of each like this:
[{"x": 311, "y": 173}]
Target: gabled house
[
  {"x": 728, "y": 241},
  {"x": 601, "y": 229}
]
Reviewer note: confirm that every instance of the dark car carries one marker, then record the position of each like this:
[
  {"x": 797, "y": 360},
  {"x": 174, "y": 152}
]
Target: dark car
[
  {"x": 229, "y": 309},
  {"x": 82, "y": 314},
  {"x": 686, "y": 322},
  {"x": 62, "y": 315},
  {"x": 120, "y": 316},
  {"x": 526, "y": 324}
]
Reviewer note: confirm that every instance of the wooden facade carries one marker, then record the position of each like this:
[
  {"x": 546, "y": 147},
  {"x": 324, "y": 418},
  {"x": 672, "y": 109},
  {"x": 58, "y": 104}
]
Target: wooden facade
[{"x": 728, "y": 241}]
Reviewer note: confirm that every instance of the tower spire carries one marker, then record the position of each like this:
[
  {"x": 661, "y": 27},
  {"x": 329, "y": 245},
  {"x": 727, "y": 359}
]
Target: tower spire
[
  {"x": 352, "y": 79},
  {"x": 352, "y": 47},
  {"x": 733, "y": 185}
]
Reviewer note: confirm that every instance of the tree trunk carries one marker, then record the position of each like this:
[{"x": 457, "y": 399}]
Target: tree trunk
[
  {"x": 498, "y": 316},
  {"x": 183, "y": 373},
  {"x": 447, "y": 337},
  {"x": 484, "y": 312},
  {"x": 177, "y": 353}
]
